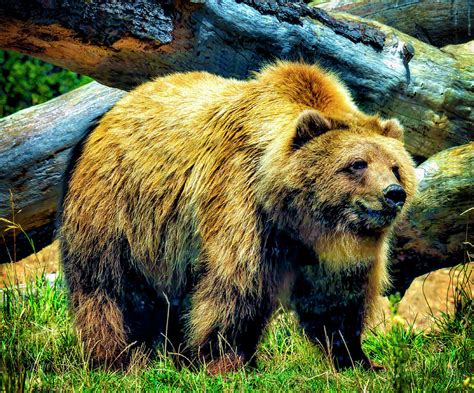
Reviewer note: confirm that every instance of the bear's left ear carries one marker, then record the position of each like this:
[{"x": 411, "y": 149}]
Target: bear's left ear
[
  {"x": 393, "y": 129},
  {"x": 309, "y": 125}
]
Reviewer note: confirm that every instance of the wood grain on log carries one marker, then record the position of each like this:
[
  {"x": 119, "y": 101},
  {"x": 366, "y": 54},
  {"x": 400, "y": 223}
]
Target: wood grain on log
[
  {"x": 35, "y": 145},
  {"x": 432, "y": 94},
  {"x": 439, "y": 23},
  {"x": 436, "y": 232}
]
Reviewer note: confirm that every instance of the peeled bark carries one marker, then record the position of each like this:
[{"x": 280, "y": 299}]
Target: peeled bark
[
  {"x": 438, "y": 23},
  {"x": 122, "y": 44}
]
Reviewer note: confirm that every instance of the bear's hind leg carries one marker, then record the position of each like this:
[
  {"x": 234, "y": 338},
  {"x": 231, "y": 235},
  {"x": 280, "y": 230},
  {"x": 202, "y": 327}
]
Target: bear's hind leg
[
  {"x": 226, "y": 324},
  {"x": 95, "y": 285},
  {"x": 95, "y": 295},
  {"x": 116, "y": 310},
  {"x": 99, "y": 323}
]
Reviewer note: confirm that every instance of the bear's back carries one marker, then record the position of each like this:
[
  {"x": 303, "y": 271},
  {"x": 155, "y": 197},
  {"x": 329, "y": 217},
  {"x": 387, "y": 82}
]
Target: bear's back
[{"x": 166, "y": 162}]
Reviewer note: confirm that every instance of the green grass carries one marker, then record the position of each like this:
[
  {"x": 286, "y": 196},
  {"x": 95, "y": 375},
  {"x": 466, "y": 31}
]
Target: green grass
[{"x": 39, "y": 351}]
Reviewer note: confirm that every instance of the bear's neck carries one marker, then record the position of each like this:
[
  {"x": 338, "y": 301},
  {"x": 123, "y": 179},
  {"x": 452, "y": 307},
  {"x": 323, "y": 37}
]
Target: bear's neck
[{"x": 344, "y": 250}]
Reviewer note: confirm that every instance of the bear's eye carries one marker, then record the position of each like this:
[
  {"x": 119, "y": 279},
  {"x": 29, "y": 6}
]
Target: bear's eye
[
  {"x": 358, "y": 165},
  {"x": 396, "y": 171}
]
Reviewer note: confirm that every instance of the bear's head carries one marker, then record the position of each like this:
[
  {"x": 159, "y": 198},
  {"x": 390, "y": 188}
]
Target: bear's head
[{"x": 344, "y": 183}]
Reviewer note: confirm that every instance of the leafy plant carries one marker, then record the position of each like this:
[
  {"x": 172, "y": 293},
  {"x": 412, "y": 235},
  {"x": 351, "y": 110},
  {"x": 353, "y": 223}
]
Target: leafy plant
[{"x": 25, "y": 81}]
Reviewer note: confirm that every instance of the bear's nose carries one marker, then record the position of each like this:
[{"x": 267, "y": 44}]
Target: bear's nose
[{"x": 395, "y": 195}]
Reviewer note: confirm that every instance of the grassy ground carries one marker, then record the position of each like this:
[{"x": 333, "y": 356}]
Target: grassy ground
[{"x": 39, "y": 351}]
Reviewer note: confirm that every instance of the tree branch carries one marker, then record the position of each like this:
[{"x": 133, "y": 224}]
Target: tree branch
[{"x": 35, "y": 145}]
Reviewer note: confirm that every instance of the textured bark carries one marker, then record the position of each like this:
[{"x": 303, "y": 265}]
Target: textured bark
[
  {"x": 122, "y": 45},
  {"x": 438, "y": 23},
  {"x": 436, "y": 232},
  {"x": 35, "y": 145}
]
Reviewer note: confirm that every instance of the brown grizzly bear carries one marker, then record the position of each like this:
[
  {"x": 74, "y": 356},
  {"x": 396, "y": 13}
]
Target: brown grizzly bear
[{"x": 198, "y": 200}]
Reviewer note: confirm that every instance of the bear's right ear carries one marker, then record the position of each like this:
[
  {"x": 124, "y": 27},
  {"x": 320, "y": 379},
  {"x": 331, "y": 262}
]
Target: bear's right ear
[
  {"x": 309, "y": 125},
  {"x": 393, "y": 129}
]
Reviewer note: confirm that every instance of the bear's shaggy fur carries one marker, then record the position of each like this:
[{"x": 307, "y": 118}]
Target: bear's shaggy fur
[{"x": 197, "y": 201}]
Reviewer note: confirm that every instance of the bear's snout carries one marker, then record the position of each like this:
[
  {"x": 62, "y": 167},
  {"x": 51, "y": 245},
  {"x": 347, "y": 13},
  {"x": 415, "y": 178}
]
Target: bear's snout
[{"x": 395, "y": 196}]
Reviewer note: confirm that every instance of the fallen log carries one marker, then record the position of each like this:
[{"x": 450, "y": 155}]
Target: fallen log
[
  {"x": 123, "y": 44},
  {"x": 436, "y": 232},
  {"x": 35, "y": 145},
  {"x": 438, "y": 23}
]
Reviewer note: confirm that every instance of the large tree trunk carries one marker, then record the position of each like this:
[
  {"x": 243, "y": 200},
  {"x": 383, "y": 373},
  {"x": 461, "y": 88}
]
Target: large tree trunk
[
  {"x": 122, "y": 44},
  {"x": 439, "y": 23}
]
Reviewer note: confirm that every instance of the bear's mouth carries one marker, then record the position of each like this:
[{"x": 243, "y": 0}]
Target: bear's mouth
[{"x": 370, "y": 219}]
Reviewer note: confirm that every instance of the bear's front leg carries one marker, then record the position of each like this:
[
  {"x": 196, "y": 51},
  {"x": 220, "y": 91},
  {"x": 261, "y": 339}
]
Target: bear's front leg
[
  {"x": 331, "y": 306},
  {"x": 226, "y": 322}
]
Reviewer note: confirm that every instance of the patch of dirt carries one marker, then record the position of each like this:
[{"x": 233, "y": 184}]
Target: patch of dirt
[
  {"x": 43, "y": 262},
  {"x": 428, "y": 297}
]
